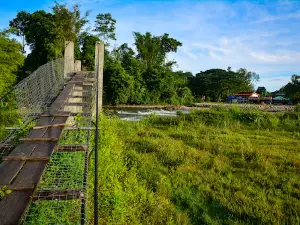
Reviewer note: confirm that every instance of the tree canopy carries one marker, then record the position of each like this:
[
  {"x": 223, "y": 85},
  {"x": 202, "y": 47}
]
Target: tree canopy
[
  {"x": 292, "y": 89},
  {"x": 46, "y": 32},
  {"x": 11, "y": 59},
  {"x": 105, "y": 27},
  {"x": 218, "y": 83}
]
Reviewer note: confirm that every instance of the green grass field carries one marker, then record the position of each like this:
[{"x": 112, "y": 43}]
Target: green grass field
[{"x": 209, "y": 167}]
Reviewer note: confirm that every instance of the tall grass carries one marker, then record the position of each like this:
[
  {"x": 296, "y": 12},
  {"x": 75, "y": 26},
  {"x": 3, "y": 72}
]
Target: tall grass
[{"x": 210, "y": 167}]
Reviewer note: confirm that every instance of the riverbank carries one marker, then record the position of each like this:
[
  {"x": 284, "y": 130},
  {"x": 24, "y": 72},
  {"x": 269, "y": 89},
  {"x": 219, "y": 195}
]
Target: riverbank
[{"x": 195, "y": 106}]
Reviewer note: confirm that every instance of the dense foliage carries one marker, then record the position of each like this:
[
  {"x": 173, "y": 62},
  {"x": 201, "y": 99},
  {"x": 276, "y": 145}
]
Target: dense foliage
[
  {"x": 11, "y": 59},
  {"x": 292, "y": 89},
  {"x": 218, "y": 84},
  {"x": 46, "y": 32}
]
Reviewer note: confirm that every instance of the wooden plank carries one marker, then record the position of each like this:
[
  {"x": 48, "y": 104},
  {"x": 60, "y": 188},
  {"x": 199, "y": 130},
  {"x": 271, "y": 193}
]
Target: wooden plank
[
  {"x": 49, "y": 126},
  {"x": 55, "y": 115},
  {"x": 18, "y": 188},
  {"x": 25, "y": 158},
  {"x": 71, "y": 148},
  {"x": 36, "y": 133},
  {"x": 80, "y": 128},
  {"x": 90, "y": 79},
  {"x": 53, "y": 132},
  {"x": 30, "y": 174},
  {"x": 13, "y": 206},
  {"x": 24, "y": 149},
  {"x": 44, "y": 121},
  {"x": 59, "y": 120},
  {"x": 77, "y": 96},
  {"x": 78, "y": 103},
  {"x": 59, "y": 101},
  {"x": 43, "y": 149},
  {"x": 9, "y": 170},
  {"x": 38, "y": 139},
  {"x": 58, "y": 195},
  {"x": 76, "y": 81}
]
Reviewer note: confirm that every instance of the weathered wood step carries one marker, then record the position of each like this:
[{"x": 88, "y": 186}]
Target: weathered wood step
[
  {"x": 43, "y": 134},
  {"x": 77, "y": 104},
  {"x": 25, "y": 158},
  {"x": 85, "y": 84},
  {"x": 55, "y": 115},
  {"x": 38, "y": 139},
  {"x": 13, "y": 207},
  {"x": 49, "y": 126},
  {"x": 41, "y": 149},
  {"x": 18, "y": 188},
  {"x": 9, "y": 170},
  {"x": 30, "y": 174}
]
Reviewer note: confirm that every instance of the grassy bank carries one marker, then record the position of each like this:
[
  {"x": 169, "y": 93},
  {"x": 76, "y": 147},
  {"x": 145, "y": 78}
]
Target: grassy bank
[{"x": 222, "y": 166}]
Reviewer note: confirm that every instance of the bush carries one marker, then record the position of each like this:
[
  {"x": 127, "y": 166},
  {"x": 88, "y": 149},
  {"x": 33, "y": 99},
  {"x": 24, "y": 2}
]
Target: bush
[{"x": 297, "y": 108}]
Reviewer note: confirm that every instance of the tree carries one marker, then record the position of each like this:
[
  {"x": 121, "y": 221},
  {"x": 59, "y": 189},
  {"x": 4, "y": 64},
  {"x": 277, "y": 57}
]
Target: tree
[
  {"x": 153, "y": 50},
  {"x": 88, "y": 51},
  {"x": 11, "y": 58},
  {"x": 218, "y": 84},
  {"x": 118, "y": 85},
  {"x": 262, "y": 91},
  {"x": 292, "y": 89},
  {"x": 46, "y": 33},
  {"x": 20, "y": 23},
  {"x": 105, "y": 26}
]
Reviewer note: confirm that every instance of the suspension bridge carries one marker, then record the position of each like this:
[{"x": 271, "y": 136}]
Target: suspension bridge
[{"x": 45, "y": 161}]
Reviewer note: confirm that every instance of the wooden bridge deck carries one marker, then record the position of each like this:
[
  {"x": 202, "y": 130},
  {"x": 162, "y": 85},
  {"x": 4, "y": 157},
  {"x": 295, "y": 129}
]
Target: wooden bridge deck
[{"x": 22, "y": 169}]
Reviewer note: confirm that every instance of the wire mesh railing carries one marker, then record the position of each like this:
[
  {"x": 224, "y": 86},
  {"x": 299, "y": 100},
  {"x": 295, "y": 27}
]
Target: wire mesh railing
[
  {"x": 28, "y": 99},
  {"x": 61, "y": 196}
]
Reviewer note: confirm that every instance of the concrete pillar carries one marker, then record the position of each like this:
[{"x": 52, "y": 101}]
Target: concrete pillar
[
  {"x": 77, "y": 66},
  {"x": 99, "y": 63},
  {"x": 69, "y": 58}
]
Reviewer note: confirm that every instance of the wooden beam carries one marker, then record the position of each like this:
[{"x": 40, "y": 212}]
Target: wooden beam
[
  {"x": 58, "y": 195},
  {"x": 76, "y": 82},
  {"x": 38, "y": 139},
  {"x": 78, "y": 103},
  {"x": 51, "y": 125},
  {"x": 77, "y": 96},
  {"x": 25, "y": 158},
  {"x": 80, "y": 128},
  {"x": 55, "y": 115},
  {"x": 18, "y": 188}
]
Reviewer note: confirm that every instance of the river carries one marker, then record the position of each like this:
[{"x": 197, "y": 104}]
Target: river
[{"x": 136, "y": 114}]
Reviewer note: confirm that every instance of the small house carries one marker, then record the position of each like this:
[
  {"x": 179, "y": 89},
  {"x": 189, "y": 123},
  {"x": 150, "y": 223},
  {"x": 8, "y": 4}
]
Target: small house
[{"x": 244, "y": 97}]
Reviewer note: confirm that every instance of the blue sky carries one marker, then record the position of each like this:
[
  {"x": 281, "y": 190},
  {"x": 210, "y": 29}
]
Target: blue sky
[{"x": 262, "y": 36}]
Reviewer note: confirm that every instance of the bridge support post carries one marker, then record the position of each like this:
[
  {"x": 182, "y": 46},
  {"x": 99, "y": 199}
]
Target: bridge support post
[
  {"x": 99, "y": 63},
  {"x": 77, "y": 66},
  {"x": 69, "y": 58}
]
